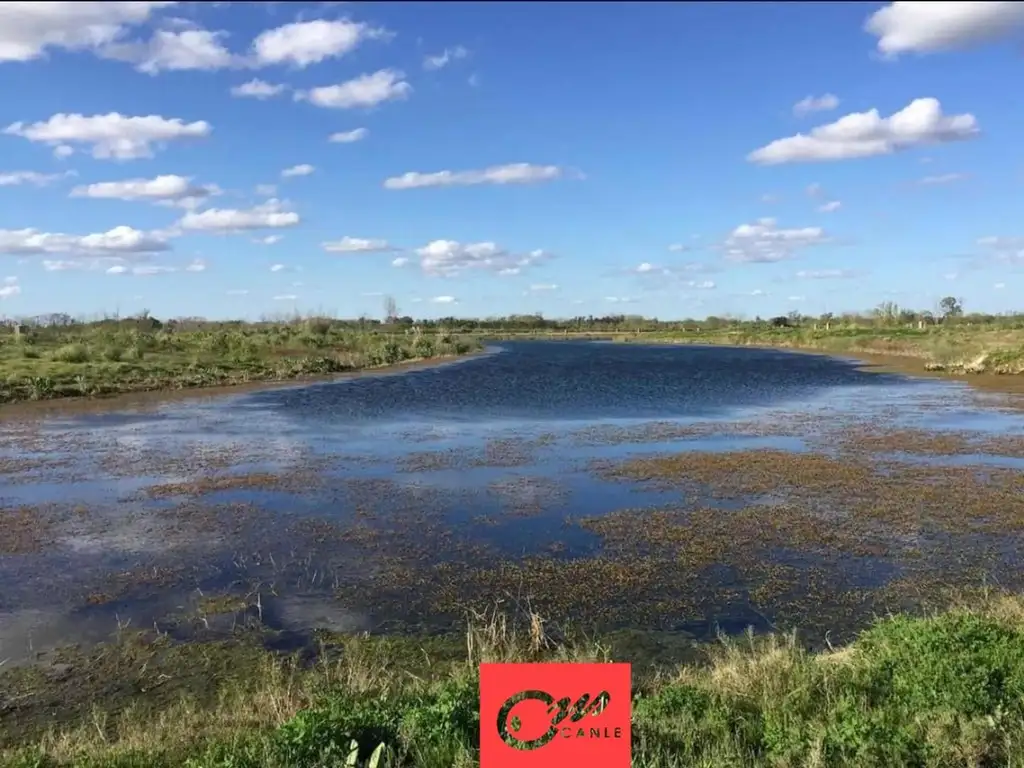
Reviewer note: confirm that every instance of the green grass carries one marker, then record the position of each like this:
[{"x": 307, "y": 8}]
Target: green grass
[
  {"x": 941, "y": 690},
  {"x": 143, "y": 354},
  {"x": 956, "y": 348}
]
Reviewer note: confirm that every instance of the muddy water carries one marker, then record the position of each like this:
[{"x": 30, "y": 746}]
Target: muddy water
[{"x": 396, "y": 502}]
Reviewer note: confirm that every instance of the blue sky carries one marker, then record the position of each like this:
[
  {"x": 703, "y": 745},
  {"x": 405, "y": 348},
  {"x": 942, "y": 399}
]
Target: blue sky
[{"x": 663, "y": 159}]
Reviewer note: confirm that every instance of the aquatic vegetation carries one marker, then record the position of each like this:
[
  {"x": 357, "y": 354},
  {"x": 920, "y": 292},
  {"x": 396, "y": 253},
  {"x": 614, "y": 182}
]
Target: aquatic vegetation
[{"x": 940, "y": 689}]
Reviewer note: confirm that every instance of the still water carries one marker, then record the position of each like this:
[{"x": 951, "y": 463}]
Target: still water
[{"x": 477, "y": 461}]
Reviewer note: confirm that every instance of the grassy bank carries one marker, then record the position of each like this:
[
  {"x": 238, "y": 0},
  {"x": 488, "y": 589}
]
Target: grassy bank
[
  {"x": 144, "y": 354},
  {"x": 941, "y": 690},
  {"x": 953, "y": 348}
]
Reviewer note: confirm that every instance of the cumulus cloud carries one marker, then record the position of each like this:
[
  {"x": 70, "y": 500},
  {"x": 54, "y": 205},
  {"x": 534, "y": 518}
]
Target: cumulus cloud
[
  {"x": 815, "y": 104},
  {"x": 169, "y": 189},
  {"x": 269, "y": 215},
  {"x": 348, "y": 137},
  {"x": 303, "y": 43},
  {"x": 764, "y": 241},
  {"x": 278, "y": 268},
  {"x": 926, "y": 27},
  {"x": 28, "y": 30},
  {"x": 513, "y": 173},
  {"x": 401, "y": 261},
  {"x": 868, "y": 134},
  {"x": 356, "y": 245},
  {"x": 9, "y": 288},
  {"x": 363, "y": 91},
  {"x": 444, "y": 300},
  {"x": 258, "y": 89},
  {"x": 16, "y": 178},
  {"x": 448, "y": 258},
  {"x": 119, "y": 240},
  {"x": 446, "y": 57},
  {"x": 829, "y": 207},
  {"x": 111, "y": 136},
  {"x": 171, "y": 50},
  {"x": 297, "y": 170}
]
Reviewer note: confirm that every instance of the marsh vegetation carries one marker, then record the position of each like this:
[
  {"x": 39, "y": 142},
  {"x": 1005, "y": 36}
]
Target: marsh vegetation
[
  {"x": 57, "y": 357},
  {"x": 937, "y": 690}
]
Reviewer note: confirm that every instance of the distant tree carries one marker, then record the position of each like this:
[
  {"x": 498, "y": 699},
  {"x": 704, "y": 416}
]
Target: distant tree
[
  {"x": 781, "y": 322},
  {"x": 951, "y": 307},
  {"x": 390, "y": 309}
]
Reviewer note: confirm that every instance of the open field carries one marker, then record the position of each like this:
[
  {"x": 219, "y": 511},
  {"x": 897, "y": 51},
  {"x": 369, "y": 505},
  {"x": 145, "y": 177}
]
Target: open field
[
  {"x": 939, "y": 690},
  {"x": 143, "y": 354}
]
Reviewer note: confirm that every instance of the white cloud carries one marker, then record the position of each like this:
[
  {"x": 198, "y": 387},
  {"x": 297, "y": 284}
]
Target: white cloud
[
  {"x": 266, "y": 190},
  {"x": 310, "y": 42},
  {"x": 999, "y": 286},
  {"x": 815, "y": 104},
  {"x": 286, "y": 297},
  {"x": 444, "y": 300},
  {"x": 795, "y": 298},
  {"x": 16, "y": 178},
  {"x": 867, "y": 134},
  {"x": 513, "y": 173},
  {"x": 63, "y": 151},
  {"x": 945, "y": 178},
  {"x": 539, "y": 287},
  {"x": 278, "y": 268},
  {"x": 175, "y": 50},
  {"x": 111, "y": 136},
  {"x": 169, "y": 189},
  {"x": 237, "y": 292},
  {"x": 28, "y": 29},
  {"x": 196, "y": 265},
  {"x": 448, "y": 258},
  {"x": 298, "y": 170},
  {"x": 763, "y": 241},
  {"x": 444, "y": 58},
  {"x": 145, "y": 270},
  {"x": 758, "y": 292},
  {"x": 268, "y": 240},
  {"x": 620, "y": 299},
  {"x": 769, "y": 198},
  {"x": 678, "y": 248},
  {"x": 825, "y": 274},
  {"x": 269, "y": 215},
  {"x": 363, "y": 91},
  {"x": 401, "y": 261},
  {"x": 123, "y": 240},
  {"x": 258, "y": 89},
  {"x": 347, "y": 137},
  {"x": 951, "y": 275},
  {"x": 829, "y": 207},
  {"x": 1005, "y": 249},
  {"x": 706, "y": 285},
  {"x": 356, "y": 245},
  {"x": 9, "y": 288},
  {"x": 925, "y": 27}
]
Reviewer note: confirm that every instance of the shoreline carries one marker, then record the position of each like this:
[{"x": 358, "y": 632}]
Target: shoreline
[
  {"x": 907, "y": 365},
  {"x": 144, "y": 400}
]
